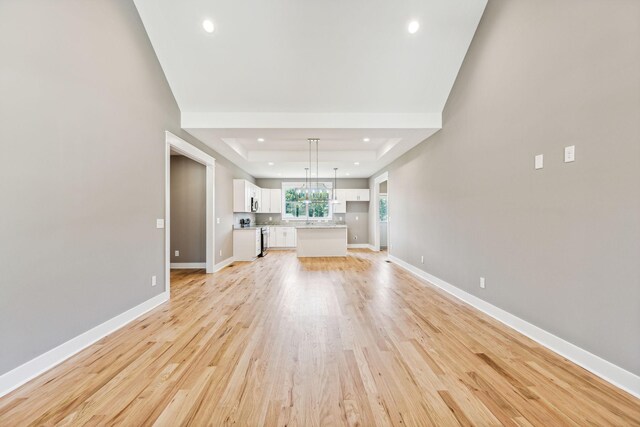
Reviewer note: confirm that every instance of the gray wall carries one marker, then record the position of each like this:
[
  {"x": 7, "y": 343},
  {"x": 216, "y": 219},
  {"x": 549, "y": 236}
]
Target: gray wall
[
  {"x": 559, "y": 247},
  {"x": 83, "y": 112},
  {"x": 356, "y": 218},
  {"x": 188, "y": 210}
]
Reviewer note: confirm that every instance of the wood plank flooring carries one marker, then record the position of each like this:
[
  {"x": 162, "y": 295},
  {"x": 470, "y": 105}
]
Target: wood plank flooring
[{"x": 284, "y": 342}]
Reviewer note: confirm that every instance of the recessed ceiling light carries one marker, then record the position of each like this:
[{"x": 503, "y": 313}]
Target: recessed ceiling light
[
  {"x": 357, "y": 163},
  {"x": 208, "y": 26},
  {"x": 366, "y": 139},
  {"x": 413, "y": 27},
  {"x": 279, "y": 174},
  {"x": 347, "y": 174},
  {"x": 260, "y": 139},
  {"x": 271, "y": 163}
]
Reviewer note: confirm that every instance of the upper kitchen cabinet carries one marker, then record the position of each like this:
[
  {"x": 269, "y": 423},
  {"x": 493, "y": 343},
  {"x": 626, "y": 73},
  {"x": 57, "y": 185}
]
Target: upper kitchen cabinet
[
  {"x": 357, "y": 195},
  {"x": 353, "y": 194},
  {"x": 246, "y": 196},
  {"x": 345, "y": 195},
  {"x": 276, "y": 200},
  {"x": 270, "y": 200}
]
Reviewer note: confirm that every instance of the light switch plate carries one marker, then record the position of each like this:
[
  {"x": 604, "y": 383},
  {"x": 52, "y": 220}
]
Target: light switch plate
[
  {"x": 159, "y": 223},
  {"x": 539, "y": 161},
  {"x": 217, "y": 220},
  {"x": 569, "y": 153},
  {"x": 177, "y": 253}
]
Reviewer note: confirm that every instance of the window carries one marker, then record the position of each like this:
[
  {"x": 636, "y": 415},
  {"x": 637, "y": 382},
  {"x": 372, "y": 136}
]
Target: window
[
  {"x": 383, "y": 208},
  {"x": 294, "y": 197}
]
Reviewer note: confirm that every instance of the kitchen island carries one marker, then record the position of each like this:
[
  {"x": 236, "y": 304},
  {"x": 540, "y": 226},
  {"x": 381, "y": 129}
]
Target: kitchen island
[{"x": 321, "y": 240}]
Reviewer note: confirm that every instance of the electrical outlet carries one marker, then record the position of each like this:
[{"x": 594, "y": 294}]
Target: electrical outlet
[
  {"x": 217, "y": 220},
  {"x": 482, "y": 282},
  {"x": 569, "y": 153},
  {"x": 153, "y": 281},
  {"x": 220, "y": 252},
  {"x": 422, "y": 259},
  {"x": 355, "y": 237},
  {"x": 270, "y": 218},
  {"x": 159, "y": 223},
  {"x": 539, "y": 161},
  {"x": 177, "y": 253}
]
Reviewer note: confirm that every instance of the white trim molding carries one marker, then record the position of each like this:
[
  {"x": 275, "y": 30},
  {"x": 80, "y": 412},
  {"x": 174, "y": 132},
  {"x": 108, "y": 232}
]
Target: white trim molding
[
  {"x": 186, "y": 265},
  {"x": 173, "y": 142},
  {"x": 31, "y": 369},
  {"x": 604, "y": 369},
  {"x": 360, "y": 246},
  {"x": 222, "y": 264},
  {"x": 376, "y": 208}
]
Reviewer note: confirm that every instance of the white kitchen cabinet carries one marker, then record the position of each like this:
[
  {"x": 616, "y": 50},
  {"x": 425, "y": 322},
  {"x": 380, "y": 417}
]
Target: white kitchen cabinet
[
  {"x": 272, "y": 237},
  {"x": 290, "y": 237},
  {"x": 246, "y": 244},
  {"x": 270, "y": 200},
  {"x": 362, "y": 195},
  {"x": 243, "y": 193},
  {"x": 282, "y": 237},
  {"x": 340, "y": 207},
  {"x": 276, "y": 200},
  {"x": 357, "y": 195},
  {"x": 265, "y": 200}
]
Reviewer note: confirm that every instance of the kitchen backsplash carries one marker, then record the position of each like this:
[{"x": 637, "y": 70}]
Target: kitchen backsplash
[
  {"x": 238, "y": 216},
  {"x": 276, "y": 219}
]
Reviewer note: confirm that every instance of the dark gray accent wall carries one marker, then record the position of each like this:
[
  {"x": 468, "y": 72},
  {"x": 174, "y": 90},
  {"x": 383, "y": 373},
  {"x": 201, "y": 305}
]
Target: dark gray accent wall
[
  {"x": 356, "y": 218},
  {"x": 559, "y": 247},
  {"x": 188, "y": 210},
  {"x": 84, "y": 106}
]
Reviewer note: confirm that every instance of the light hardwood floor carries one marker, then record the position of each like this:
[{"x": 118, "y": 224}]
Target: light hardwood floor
[{"x": 353, "y": 341}]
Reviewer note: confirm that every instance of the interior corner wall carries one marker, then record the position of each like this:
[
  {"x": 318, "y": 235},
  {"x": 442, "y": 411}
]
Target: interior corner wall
[
  {"x": 559, "y": 247},
  {"x": 83, "y": 114}
]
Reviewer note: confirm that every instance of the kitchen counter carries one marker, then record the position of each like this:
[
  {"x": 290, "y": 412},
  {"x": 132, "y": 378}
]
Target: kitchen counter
[
  {"x": 321, "y": 241},
  {"x": 301, "y": 226},
  {"x": 310, "y": 226}
]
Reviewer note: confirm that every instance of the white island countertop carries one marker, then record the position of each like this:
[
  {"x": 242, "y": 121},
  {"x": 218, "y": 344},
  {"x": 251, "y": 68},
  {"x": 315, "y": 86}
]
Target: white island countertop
[
  {"x": 304, "y": 225},
  {"x": 323, "y": 226}
]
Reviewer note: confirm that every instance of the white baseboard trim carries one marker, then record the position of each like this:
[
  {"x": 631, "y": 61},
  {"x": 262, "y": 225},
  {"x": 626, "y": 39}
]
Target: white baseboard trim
[
  {"x": 184, "y": 265},
  {"x": 222, "y": 264},
  {"x": 360, "y": 246},
  {"x": 31, "y": 369},
  {"x": 606, "y": 370}
]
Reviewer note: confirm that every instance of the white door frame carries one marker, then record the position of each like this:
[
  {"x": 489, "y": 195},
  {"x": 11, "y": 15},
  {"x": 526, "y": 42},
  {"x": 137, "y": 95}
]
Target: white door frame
[
  {"x": 183, "y": 147},
  {"x": 376, "y": 211}
]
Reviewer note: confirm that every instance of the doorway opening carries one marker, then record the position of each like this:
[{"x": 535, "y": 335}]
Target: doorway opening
[
  {"x": 179, "y": 146},
  {"x": 382, "y": 220},
  {"x": 188, "y": 212}
]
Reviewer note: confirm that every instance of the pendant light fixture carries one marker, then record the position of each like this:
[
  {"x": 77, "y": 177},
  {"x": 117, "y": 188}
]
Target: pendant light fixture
[
  {"x": 334, "y": 191},
  {"x": 306, "y": 185}
]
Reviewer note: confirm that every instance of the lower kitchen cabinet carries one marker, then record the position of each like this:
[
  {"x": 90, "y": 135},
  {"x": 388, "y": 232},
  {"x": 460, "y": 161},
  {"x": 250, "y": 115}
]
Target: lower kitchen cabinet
[
  {"x": 246, "y": 244},
  {"x": 282, "y": 237}
]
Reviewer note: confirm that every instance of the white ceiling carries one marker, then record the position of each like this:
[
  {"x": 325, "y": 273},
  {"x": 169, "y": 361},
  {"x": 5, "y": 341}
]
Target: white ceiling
[{"x": 288, "y": 70}]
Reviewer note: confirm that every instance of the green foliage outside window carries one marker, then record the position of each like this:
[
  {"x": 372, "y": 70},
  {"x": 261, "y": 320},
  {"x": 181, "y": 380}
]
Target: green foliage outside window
[
  {"x": 296, "y": 207},
  {"x": 383, "y": 209}
]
